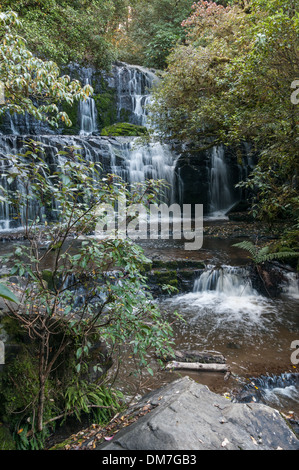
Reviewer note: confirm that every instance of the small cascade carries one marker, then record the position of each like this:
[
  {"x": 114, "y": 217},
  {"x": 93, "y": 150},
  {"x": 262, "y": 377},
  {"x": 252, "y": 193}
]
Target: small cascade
[
  {"x": 220, "y": 188},
  {"x": 229, "y": 280},
  {"x": 88, "y": 115},
  {"x": 290, "y": 288},
  {"x": 280, "y": 391},
  {"x": 223, "y": 302}
]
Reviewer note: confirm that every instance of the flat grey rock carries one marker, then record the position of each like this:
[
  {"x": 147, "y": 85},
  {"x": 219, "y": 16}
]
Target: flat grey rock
[{"x": 186, "y": 415}]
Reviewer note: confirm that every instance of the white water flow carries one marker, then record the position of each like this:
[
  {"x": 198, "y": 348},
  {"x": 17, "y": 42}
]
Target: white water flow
[
  {"x": 141, "y": 162},
  {"x": 4, "y": 206},
  {"x": 134, "y": 86},
  {"x": 153, "y": 161},
  {"x": 88, "y": 115},
  {"x": 280, "y": 395},
  {"x": 291, "y": 285},
  {"x": 223, "y": 300},
  {"x": 220, "y": 188}
]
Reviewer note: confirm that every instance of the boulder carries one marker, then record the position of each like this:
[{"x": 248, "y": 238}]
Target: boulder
[{"x": 186, "y": 415}]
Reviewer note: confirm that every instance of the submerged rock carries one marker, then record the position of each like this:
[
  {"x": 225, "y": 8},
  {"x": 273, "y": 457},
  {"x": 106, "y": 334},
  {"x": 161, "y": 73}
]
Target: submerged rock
[{"x": 186, "y": 415}]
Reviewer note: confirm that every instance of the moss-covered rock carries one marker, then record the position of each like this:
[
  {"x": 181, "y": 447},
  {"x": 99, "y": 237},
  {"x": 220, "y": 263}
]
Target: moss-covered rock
[
  {"x": 165, "y": 277},
  {"x": 47, "y": 276},
  {"x": 124, "y": 129},
  {"x": 11, "y": 330},
  {"x": 159, "y": 279},
  {"x": 106, "y": 106},
  {"x": 178, "y": 274}
]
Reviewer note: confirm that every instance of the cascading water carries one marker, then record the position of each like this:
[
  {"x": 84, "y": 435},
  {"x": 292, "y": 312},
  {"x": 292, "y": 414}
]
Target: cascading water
[
  {"x": 280, "y": 391},
  {"x": 153, "y": 161},
  {"x": 229, "y": 280},
  {"x": 224, "y": 312},
  {"x": 88, "y": 115},
  {"x": 291, "y": 285},
  {"x": 220, "y": 187},
  {"x": 119, "y": 156},
  {"x": 23, "y": 124},
  {"x": 133, "y": 85},
  {"x": 123, "y": 156},
  {"x": 224, "y": 301}
]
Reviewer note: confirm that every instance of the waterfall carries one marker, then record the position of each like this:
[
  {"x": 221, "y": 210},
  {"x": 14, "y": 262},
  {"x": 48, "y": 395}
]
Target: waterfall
[
  {"x": 153, "y": 161},
  {"x": 133, "y": 85},
  {"x": 118, "y": 155},
  {"x": 88, "y": 115},
  {"x": 220, "y": 187},
  {"x": 123, "y": 156},
  {"x": 141, "y": 162},
  {"x": 229, "y": 280},
  {"x": 224, "y": 303}
]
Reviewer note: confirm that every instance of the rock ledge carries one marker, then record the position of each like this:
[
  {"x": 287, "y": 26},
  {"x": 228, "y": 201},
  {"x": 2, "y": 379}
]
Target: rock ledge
[{"x": 186, "y": 415}]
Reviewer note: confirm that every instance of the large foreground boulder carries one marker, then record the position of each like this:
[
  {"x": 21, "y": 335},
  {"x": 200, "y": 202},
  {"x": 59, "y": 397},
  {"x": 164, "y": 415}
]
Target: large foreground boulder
[{"x": 186, "y": 415}]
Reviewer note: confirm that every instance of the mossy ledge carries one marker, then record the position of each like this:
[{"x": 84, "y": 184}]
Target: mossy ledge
[{"x": 124, "y": 129}]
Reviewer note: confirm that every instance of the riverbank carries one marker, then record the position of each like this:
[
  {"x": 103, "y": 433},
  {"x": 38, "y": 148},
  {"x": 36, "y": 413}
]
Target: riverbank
[{"x": 203, "y": 421}]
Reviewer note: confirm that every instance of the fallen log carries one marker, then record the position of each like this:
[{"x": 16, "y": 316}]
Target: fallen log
[
  {"x": 204, "y": 357},
  {"x": 198, "y": 366}
]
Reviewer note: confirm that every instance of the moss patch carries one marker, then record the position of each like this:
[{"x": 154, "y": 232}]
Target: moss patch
[
  {"x": 105, "y": 103},
  {"x": 73, "y": 113},
  {"x": 124, "y": 129}
]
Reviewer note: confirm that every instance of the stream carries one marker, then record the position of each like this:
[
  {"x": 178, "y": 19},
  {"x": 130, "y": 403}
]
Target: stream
[{"x": 224, "y": 313}]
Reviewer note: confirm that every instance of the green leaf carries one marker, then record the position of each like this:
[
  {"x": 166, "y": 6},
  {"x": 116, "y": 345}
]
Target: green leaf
[{"x": 5, "y": 293}]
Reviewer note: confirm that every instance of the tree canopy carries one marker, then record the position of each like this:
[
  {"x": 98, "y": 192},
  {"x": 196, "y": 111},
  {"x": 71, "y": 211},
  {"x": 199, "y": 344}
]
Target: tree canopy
[
  {"x": 70, "y": 31},
  {"x": 231, "y": 83},
  {"x": 31, "y": 84}
]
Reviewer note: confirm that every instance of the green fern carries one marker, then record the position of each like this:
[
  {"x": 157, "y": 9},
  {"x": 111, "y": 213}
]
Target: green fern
[{"x": 261, "y": 255}]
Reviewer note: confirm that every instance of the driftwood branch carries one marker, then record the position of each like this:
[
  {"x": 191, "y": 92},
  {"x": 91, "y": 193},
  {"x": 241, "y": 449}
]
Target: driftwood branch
[{"x": 197, "y": 366}]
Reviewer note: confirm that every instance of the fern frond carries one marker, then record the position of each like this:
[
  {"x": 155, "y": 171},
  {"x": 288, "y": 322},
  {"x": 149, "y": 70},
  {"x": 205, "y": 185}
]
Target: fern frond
[
  {"x": 261, "y": 255},
  {"x": 278, "y": 255},
  {"x": 248, "y": 246}
]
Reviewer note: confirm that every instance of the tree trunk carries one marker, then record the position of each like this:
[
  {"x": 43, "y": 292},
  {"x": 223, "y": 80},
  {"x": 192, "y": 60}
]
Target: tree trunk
[
  {"x": 41, "y": 403},
  {"x": 42, "y": 382}
]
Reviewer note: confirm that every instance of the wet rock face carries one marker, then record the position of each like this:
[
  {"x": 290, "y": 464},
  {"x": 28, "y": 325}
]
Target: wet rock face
[
  {"x": 209, "y": 177},
  {"x": 186, "y": 415},
  {"x": 128, "y": 85},
  {"x": 268, "y": 280}
]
